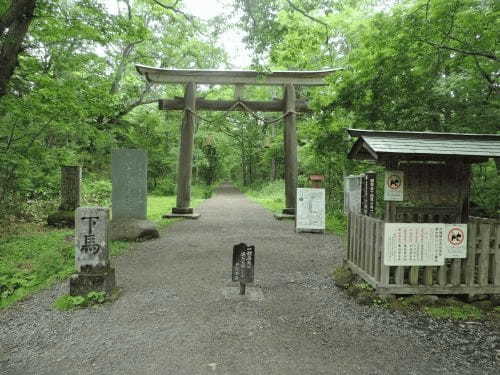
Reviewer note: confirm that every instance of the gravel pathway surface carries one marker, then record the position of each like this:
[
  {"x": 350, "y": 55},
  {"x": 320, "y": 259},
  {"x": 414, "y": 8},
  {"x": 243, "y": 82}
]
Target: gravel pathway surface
[{"x": 176, "y": 315}]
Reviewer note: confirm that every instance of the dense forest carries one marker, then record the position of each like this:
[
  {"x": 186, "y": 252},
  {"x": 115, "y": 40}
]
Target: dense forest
[{"x": 69, "y": 91}]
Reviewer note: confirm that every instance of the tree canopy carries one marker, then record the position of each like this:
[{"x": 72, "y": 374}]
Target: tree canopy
[{"x": 69, "y": 92}]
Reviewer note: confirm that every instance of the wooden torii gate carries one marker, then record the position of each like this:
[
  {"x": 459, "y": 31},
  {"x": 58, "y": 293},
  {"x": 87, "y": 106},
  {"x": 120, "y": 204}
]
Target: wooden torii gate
[{"x": 289, "y": 105}]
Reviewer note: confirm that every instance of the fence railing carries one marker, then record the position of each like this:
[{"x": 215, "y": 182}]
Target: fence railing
[{"x": 479, "y": 273}]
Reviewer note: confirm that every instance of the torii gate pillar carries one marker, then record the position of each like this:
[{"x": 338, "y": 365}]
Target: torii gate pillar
[
  {"x": 290, "y": 139},
  {"x": 185, "y": 166}
]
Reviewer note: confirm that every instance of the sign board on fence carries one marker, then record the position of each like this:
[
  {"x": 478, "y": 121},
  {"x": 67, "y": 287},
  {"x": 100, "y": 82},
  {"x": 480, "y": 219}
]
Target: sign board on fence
[
  {"x": 413, "y": 244},
  {"x": 352, "y": 194},
  {"x": 456, "y": 241},
  {"x": 243, "y": 263},
  {"x": 416, "y": 244},
  {"x": 394, "y": 185},
  {"x": 310, "y": 215}
]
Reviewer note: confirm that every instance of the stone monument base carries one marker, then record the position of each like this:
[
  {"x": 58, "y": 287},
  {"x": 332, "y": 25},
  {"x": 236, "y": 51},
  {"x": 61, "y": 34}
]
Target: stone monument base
[
  {"x": 187, "y": 213},
  {"x": 62, "y": 219},
  {"x": 99, "y": 281},
  {"x": 185, "y": 216},
  {"x": 284, "y": 216},
  {"x": 132, "y": 229}
]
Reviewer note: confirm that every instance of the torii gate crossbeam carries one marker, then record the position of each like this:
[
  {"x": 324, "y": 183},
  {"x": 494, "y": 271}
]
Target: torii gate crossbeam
[{"x": 289, "y": 106}]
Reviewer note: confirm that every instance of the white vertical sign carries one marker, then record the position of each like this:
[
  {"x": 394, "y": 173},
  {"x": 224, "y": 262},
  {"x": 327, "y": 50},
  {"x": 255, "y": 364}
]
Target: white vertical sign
[
  {"x": 456, "y": 240},
  {"x": 394, "y": 185},
  {"x": 310, "y": 213}
]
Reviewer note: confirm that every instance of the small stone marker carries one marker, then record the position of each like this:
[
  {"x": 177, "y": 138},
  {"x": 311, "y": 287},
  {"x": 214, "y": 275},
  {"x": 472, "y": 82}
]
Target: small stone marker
[
  {"x": 92, "y": 252},
  {"x": 243, "y": 265},
  {"x": 71, "y": 177},
  {"x": 129, "y": 196}
]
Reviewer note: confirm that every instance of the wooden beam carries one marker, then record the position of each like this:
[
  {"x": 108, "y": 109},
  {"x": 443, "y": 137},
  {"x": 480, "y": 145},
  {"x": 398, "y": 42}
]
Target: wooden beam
[
  {"x": 226, "y": 105},
  {"x": 234, "y": 77}
]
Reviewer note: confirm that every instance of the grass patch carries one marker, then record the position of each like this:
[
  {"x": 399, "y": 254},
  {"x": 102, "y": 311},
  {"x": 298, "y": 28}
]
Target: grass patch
[
  {"x": 464, "y": 312},
  {"x": 270, "y": 196},
  {"x": 67, "y": 302},
  {"x": 34, "y": 256}
]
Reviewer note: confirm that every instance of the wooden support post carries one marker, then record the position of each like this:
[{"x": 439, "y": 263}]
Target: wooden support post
[
  {"x": 290, "y": 138},
  {"x": 184, "y": 170}
]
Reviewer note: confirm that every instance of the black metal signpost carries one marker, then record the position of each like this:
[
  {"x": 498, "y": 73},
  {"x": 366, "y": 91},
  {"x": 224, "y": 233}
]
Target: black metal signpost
[{"x": 243, "y": 265}]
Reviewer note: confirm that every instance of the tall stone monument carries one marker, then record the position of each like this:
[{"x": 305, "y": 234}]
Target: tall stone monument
[
  {"x": 94, "y": 272},
  {"x": 129, "y": 168},
  {"x": 71, "y": 177}
]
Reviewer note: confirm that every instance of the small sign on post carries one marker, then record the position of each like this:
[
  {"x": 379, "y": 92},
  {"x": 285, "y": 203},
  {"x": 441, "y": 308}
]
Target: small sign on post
[
  {"x": 394, "y": 185},
  {"x": 243, "y": 265}
]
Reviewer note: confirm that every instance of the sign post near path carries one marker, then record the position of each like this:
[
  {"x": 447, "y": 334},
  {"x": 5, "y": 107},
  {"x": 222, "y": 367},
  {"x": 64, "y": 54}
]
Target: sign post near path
[{"x": 243, "y": 265}]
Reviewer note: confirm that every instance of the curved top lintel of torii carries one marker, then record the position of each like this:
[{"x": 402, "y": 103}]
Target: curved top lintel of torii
[{"x": 235, "y": 77}]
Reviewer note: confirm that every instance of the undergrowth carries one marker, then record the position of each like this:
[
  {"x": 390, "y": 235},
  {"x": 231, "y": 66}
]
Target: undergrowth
[{"x": 67, "y": 302}]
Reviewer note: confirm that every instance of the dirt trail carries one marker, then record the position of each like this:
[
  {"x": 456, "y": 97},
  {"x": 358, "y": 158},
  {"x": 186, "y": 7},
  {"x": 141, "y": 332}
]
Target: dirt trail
[{"x": 174, "y": 317}]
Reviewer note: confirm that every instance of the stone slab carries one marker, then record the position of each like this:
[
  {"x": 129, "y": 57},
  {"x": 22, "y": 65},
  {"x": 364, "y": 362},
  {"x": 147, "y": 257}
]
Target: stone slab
[
  {"x": 91, "y": 238},
  {"x": 253, "y": 294},
  {"x": 129, "y": 177},
  {"x": 132, "y": 230},
  {"x": 82, "y": 283},
  {"x": 284, "y": 217},
  {"x": 192, "y": 216}
]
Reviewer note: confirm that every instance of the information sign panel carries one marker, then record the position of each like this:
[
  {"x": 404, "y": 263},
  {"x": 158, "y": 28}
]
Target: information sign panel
[
  {"x": 414, "y": 244},
  {"x": 310, "y": 215},
  {"x": 394, "y": 185},
  {"x": 243, "y": 263}
]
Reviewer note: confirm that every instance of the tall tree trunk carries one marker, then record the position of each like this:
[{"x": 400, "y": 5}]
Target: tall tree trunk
[{"x": 14, "y": 25}]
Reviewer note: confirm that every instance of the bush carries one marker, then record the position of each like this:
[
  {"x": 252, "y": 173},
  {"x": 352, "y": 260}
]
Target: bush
[
  {"x": 165, "y": 188},
  {"x": 96, "y": 193}
]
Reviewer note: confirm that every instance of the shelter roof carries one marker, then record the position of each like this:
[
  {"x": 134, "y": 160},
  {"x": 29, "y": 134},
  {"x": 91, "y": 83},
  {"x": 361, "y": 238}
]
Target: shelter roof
[
  {"x": 385, "y": 145},
  {"x": 235, "y": 77}
]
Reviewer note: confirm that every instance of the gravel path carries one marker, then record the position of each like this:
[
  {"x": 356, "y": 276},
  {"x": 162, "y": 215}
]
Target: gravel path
[{"x": 174, "y": 317}]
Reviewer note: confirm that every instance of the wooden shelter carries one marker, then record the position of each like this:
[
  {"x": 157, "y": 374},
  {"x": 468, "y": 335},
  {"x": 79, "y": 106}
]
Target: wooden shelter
[
  {"x": 190, "y": 104},
  {"x": 437, "y": 175}
]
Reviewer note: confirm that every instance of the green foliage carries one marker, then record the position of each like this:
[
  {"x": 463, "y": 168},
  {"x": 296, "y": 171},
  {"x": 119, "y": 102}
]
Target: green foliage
[
  {"x": 96, "y": 192},
  {"x": 66, "y": 302},
  {"x": 464, "y": 312},
  {"x": 343, "y": 276},
  {"x": 269, "y": 195},
  {"x": 32, "y": 261}
]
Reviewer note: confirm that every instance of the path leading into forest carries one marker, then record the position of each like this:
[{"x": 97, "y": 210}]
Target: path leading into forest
[{"x": 174, "y": 316}]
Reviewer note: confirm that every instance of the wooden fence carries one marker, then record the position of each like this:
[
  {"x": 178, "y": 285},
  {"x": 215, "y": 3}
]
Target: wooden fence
[{"x": 479, "y": 273}]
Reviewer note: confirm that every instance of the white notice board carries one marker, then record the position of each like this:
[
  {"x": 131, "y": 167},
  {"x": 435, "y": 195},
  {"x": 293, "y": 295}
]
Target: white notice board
[
  {"x": 394, "y": 185},
  {"x": 310, "y": 213},
  {"x": 413, "y": 244},
  {"x": 416, "y": 244}
]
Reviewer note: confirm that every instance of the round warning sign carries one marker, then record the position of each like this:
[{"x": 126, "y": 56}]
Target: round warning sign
[
  {"x": 394, "y": 182},
  {"x": 456, "y": 237}
]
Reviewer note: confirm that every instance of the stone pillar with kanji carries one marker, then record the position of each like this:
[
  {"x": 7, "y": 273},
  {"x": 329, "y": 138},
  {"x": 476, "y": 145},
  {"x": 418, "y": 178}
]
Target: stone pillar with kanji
[{"x": 94, "y": 271}]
